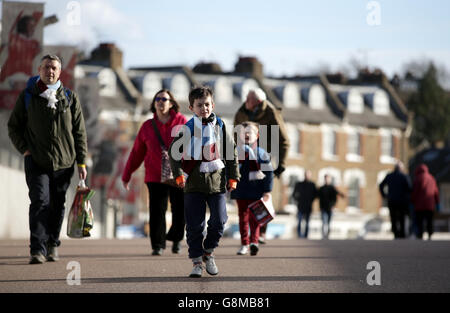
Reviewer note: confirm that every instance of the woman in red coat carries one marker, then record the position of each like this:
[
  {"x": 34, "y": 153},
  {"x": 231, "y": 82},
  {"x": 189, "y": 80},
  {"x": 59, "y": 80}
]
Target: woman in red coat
[
  {"x": 147, "y": 149},
  {"x": 425, "y": 198}
]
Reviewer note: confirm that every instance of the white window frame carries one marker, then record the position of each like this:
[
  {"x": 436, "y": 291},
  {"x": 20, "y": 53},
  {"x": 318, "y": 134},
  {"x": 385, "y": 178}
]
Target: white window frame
[
  {"x": 349, "y": 175},
  {"x": 351, "y": 156},
  {"x": 392, "y": 134},
  {"x": 325, "y": 131},
  {"x": 294, "y": 137}
]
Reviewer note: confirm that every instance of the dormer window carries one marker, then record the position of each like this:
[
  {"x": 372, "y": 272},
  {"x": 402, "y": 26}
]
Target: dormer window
[
  {"x": 314, "y": 96},
  {"x": 378, "y": 102},
  {"x": 108, "y": 82},
  {"x": 223, "y": 91},
  {"x": 179, "y": 85},
  {"x": 242, "y": 88},
  {"x": 352, "y": 100},
  {"x": 289, "y": 94},
  {"x": 151, "y": 84}
]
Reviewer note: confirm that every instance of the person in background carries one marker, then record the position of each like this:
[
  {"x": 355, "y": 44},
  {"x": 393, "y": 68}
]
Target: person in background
[
  {"x": 147, "y": 148},
  {"x": 258, "y": 109},
  {"x": 47, "y": 127},
  {"x": 398, "y": 196},
  {"x": 255, "y": 183},
  {"x": 425, "y": 199},
  {"x": 304, "y": 194},
  {"x": 327, "y": 199}
]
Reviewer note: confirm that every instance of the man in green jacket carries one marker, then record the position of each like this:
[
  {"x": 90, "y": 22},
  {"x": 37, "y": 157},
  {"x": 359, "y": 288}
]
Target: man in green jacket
[{"x": 47, "y": 127}]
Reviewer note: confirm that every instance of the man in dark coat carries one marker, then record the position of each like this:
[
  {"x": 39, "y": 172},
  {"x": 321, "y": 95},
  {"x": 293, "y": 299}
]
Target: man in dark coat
[
  {"x": 47, "y": 127},
  {"x": 327, "y": 199},
  {"x": 304, "y": 194},
  {"x": 399, "y": 189}
]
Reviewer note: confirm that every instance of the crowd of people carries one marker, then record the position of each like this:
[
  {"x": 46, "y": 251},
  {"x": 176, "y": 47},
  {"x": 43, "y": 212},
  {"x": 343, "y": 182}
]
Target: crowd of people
[
  {"x": 192, "y": 170},
  {"x": 415, "y": 201}
]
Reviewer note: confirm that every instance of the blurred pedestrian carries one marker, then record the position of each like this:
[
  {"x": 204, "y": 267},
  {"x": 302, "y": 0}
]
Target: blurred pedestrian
[
  {"x": 47, "y": 127},
  {"x": 327, "y": 199},
  {"x": 255, "y": 183},
  {"x": 258, "y": 109},
  {"x": 425, "y": 199},
  {"x": 209, "y": 160},
  {"x": 149, "y": 149},
  {"x": 398, "y": 196},
  {"x": 304, "y": 194}
]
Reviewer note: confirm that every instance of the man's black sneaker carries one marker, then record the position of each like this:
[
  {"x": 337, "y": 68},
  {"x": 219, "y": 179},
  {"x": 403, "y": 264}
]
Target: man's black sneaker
[
  {"x": 52, "y": 254},
  {"x": 176, "y": 248},
  {"x": 37, "y": 258}
]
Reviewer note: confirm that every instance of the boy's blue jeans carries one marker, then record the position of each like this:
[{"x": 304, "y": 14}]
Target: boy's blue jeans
[{"x": 194, "y": 212}]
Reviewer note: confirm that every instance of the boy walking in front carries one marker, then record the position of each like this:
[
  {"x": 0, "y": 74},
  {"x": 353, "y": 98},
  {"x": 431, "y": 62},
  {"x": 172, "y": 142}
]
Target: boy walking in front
[{"x": 204, "y": 161}]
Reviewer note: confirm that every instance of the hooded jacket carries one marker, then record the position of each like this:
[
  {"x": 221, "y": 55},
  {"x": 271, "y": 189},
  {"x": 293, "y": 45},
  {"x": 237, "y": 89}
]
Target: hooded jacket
[
  {"x": 147, "y": 148},
  {"x": 425, "y": 193}
]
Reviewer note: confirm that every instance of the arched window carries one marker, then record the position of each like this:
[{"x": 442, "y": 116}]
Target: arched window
[
  {"x": 223, "y": 92},
  {"x": 242, "y": 88},
  {"x": 289, "y": 94},
  {"x": 314, "y": 96},
  {"x": 378, "y": 101},
  {"x": 352, "y": 100},
  {"x": 151, "y": 83},
  {"x": 179, "y": 85}
]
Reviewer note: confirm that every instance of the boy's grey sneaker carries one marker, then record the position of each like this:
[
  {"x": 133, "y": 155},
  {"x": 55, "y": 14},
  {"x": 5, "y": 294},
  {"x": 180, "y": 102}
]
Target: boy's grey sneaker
[
  {"x": 210, "y": 265},
  {"x": 197, "y": 270},
  {"x": 52, "y": 254},
  {"x": 37, "y": 258},
  {"x": 254, "y": 249}
]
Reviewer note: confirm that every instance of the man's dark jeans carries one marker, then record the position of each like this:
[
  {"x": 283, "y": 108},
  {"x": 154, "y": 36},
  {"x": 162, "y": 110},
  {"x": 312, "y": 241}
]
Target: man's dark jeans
[
  {"x": 47, "y": 192},
  {"x": 398, "y": 212}
]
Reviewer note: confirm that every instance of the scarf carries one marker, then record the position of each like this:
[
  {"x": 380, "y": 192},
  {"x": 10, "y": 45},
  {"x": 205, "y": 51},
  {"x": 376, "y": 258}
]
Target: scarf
[
  {"x": 251, "y": 157},
  {"x": 49, "y": 92},
  {"x": 203, "y": 145}
]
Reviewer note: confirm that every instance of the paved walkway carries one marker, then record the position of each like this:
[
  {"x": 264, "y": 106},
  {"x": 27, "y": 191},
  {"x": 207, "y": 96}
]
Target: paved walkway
[{"x": 282, "y": 266}]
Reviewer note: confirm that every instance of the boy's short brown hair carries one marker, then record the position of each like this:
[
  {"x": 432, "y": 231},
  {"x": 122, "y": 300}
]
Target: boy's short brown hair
[{"x": 198, "y": 93}]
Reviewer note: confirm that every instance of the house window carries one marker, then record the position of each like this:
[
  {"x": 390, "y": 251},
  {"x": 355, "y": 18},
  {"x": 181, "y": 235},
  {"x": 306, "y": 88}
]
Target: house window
[
  {"x": 354, "y": 193},
  {"x": 354, "y": 144},
  {"x": 354, "y": 180},
  {"x": 329, "y": 144},
  {"x": 388, "y": 146},
  {"x": 294, "y": 138}
]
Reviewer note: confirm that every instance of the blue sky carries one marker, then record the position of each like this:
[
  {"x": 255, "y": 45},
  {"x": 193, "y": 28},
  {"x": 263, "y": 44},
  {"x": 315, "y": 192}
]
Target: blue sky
[{"x": 289, "y": 37}]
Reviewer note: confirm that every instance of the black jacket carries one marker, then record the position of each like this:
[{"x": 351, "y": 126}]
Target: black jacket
[
  {"x": 327, "y": 197},
  {"x": 304, "y": 194},
  {"x": 399, "y": 187}
]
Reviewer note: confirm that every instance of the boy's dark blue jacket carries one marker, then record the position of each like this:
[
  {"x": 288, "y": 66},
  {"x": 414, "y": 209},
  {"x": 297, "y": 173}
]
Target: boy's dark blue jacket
[{"x": 253, "y": 189}]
